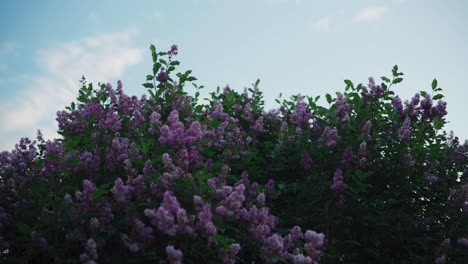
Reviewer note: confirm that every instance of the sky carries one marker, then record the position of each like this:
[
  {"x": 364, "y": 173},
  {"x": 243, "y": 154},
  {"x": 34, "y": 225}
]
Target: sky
[{"x": 292, "y": 46}]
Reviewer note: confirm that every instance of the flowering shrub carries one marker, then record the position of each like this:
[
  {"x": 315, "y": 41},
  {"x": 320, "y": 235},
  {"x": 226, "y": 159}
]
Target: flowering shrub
[{"x": 167, "y": 178}]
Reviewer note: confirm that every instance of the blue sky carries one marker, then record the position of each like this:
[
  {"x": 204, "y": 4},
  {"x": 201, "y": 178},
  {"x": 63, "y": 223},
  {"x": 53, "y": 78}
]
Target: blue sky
[{"x": 294, "y": 46}]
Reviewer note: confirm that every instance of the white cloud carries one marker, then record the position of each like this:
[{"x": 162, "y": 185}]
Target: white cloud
[
  {"x": 370, "y": 14},
  {"x": 6, "y": 49},
  {"x": 153, "y": 15},
  {"x": 98, "y": 58},
  {"x": 322, "y": 24},
  {"x": 284, "y": 1}
]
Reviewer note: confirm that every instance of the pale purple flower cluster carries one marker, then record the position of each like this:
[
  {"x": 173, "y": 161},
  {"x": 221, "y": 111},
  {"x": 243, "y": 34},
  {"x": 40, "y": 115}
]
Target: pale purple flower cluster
[
  {"x": 408, "y": 160},
  {"x": 363, "y": 153},
  {"x": 144, "y": 233},
  {"x": 342, "y": 108},
  {"x": 442, "y": 251},
  {"x": 426, "y": 104},
  {"x": 173, "y": 51},
  {"x": 90, "y": 254},
  {"x": 375, "y": 89},
  {"x": 462, "y": 241},
  {"x": 111, "y": 122},
  {"x": 131, "y": 245},
  {"x": 339, "y": 187},
  {"x": 397, "y": 105},
  {"x": 459, "y": 154},
  {"x": 440, "y": 110},
  {"x": 258, "y": 126},
  {"x": 276, "y": 247},
  {"x": 430, "y": 177},
  {"x": 366, "y": 128},
  {"x": 227, "y": 256},
  {"x": 348, "y": 159},
  {"x": 169, "y": 218},
  {"x": 205, "y": 223},
  {"x": 120, "y": 150},
  {"x": 329, "y": 137},
  {"x": 217, "y": 111},
  {"x": 306, "y": 161},
  {"x": 174, "y": 255},
  {"x": 121, "y": 191},
  {"x": 38, "y": 240},
  {"x": 301, "y": 115},
  {"x": 404, "y": 132},
  {"x": 137, "y": 120},
  {"x": 162, "y": 76},
  {"x": 89, "y": 162}
]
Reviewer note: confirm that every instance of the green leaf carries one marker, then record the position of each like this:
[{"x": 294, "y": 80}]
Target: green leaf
[
  {"x": 53, "y": 157},
  {"x": 397, "y": 80},
  {"x": 385, "y": 79},
  {"x": 438, "y": 123},
  {"x": 329, "y": 98},
  {"x": 434, "y": 84},
  {"x": 153, "y": 53},
  {"x": 349, "y": 83},
  {"x": 72, "y": 162},
  {"x": 423, "y": 93},
  {"x": 395, "y": 71},
  {"x": 156, "y": 68},
  {"x": 24, "y": 228},
  {"x": 148, "y": 85},
  {"x": 164, "y": 62},
  {"x": 174, "y": 63},
  {"x": 191, "y": 78},
  {"x": 384, "y": 87},
  {"x": 149, "y": 77},
  {"x": 438, "y": 97}
]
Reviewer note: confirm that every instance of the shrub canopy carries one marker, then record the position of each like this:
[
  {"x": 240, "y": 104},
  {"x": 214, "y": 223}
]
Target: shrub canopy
[{"x": 169, "y": 178}]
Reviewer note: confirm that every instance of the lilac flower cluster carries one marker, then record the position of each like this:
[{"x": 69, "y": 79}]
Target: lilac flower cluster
[
  {"x": 301, "y": 115},
  {"x": 169, "y": 218},
  {"x": 342, "y": 108},
  {"x": 173, "y": 51},
  {"x": 404, "y": 133},
  {"x": 329, "y": 137},
  {"x": 339, "y": 187},
  {"x": 397, "y": 105}
]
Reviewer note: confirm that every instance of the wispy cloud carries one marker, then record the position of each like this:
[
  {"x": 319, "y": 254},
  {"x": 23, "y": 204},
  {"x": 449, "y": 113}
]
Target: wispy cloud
[
  {"x": 99, "y": 58},
  {"x": 370, "y": 14},
  {"x": 284, "y": 1},
  {"x": 6, "y": 48},
  {"x": 153, "y": 15},
  {"x": 322, "y": 24}
]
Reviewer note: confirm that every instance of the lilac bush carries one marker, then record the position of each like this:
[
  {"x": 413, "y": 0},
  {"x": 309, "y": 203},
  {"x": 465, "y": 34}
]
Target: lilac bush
[{"x": 166, "y": 178}]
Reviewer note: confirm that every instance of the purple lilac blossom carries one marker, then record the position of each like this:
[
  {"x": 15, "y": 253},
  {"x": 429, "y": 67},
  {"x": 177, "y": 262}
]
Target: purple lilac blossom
[
  {"x": 339, "y": 186},
  {"x": 462, "y": 241},
  {"x": 404, "y": 132},
  {"x": 173, "y": 51},
  {"x": 174, "y": 255},
  {"x": 329, "y": 137},
  {"x": 397, "y": 105},
  {"x": 121, "y": 191},
  {"x": 301, "y": 114},
  {"x": 306, "y": 161},
  {"x": 342, "y": 108}
]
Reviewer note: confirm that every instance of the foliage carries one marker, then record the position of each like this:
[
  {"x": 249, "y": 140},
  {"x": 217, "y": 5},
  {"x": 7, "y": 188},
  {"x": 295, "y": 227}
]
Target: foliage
[{"x": 168, "y": 178}]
